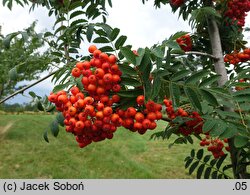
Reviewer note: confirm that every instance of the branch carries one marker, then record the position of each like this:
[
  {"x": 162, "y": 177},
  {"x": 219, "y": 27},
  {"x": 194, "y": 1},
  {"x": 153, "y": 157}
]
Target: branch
[
  {"x": 199, "y": 54},
  {"x": 202, "y": 54},
  {"x": 27, "y": 87}
]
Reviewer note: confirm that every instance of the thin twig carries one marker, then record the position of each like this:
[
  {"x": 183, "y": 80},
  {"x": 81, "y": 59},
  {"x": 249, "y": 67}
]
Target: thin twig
[{"x": 27, "y": 87}]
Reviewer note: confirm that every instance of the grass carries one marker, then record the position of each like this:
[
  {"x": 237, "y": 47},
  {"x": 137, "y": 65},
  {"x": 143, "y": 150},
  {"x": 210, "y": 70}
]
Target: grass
[{"x": 24, "y": 153}]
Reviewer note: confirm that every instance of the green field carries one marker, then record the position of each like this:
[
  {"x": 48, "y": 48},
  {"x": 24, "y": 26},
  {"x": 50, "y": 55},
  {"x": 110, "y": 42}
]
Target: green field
[{"x": 25, "y": 154}]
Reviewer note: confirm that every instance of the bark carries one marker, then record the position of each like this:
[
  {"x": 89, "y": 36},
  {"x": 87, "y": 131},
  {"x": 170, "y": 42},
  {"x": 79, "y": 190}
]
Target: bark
[{"x": 220, "y": 69}]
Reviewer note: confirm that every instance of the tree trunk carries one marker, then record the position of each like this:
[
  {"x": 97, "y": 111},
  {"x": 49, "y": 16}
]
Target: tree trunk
[{"x": 220, "y": 69}]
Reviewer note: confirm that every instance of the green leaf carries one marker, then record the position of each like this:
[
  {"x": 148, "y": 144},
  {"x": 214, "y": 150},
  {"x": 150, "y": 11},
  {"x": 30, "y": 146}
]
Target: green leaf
[
  {"x": 106, "y": 49},
  {"x": 179, "y": 75},
  {"x": 209, "y": 81},
  {"x": 219, "y": 91},
  {"x": 218, "y": 129},
  {"x": 209, "y": 97},
  {"x": 8, "y": 38},
  {"x": 242, "y": 98},
  {"x": 156, "y": 87},
  {"x": 32, "y": 94},
  {"x": 158, "y": 52},
  {"x": 48, "y": 34},
  {"x": 177, "y": 35},
  {"x": 243, "y": 74},
  {"x": 76, "y": 4},
  {"x": 25, "y": 36},
  {"x": 130, "y": 82},
  {"x": 56, "y": 53},
  {"x": 45, "y": 135},
  {"x": 193, "y": 97},
  {"x": 240, "y": 141},
  {"x": 177, "y": 51},
  {"x": 239, "y": 84},
  {"x": 190, "y": 139},
  {"x": 146, "y": 82},
  {"x": 59, "y": 20},
  {"x": 101, "y": 40},
  {"x": 61, "y": 29},
  {"x": 60, "y": 87},
  {"x": 110, "y": 3},
  {"x": 76, "y": 13},
  {"x": 220, "y": 161},
  {"x": 128, "y": 54},
  {"x": 127, "y": 102},
  {"x": 214, "y": 175},
  {"x": 200, "y": 171},
  {"x": 60, "y": 119},
  {"x": 188, "y": 162},
  {"x": 126, "y": 69},
  {"x": 199, "y": 154},
  {"x": 245, "y": 107},
  {"x": 242, "y": 92},
  {"x": 130, "y": 93},
  {"x": 115, "y": 32},
  {"x": 40, "y": 106},
  {"x": 51, "y": 108},
  {"x": 207, "y": 172},
  {"x": 229, "y": 132},
  {"x": 213, "y": 162},
  {"x": 145, "y": 61},
  {"x": 226, "y": 167},
  {"x": 193, "y": 167},
  {"x": 192, "y": 153},
  {"x": 106, "y": 28},
  {"x": 54, "y": 127},
  {"x": 175, "y": 93},
  {"x": 120, "y": 42},
  {"x": 197, "y": 77},
  {"x": 207, "y": 158},
  {"x": 140, "y": 56},
  {"x": 78, "y": 22},
  {"x": 172, "y": 44},
  {"x": 89, "y": 32},
  {"x": 73, "y": 50},
  {"x": 225, "y": 114},
  {"x": 199, "y": 16},
  {"x": 13, "y": 74}
]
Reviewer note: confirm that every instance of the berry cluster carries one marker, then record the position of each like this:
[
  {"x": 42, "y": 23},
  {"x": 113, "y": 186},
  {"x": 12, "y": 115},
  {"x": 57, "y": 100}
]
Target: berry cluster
[
  {"x": 90, "y": 116},
  {"x": 193, "y": 122},
  {"x": 142, "y": 117},
  {"x": 185, "y": 42},
  {"x": 237, "y": 11},
  {"x": 237, "y": 57},
  {"x": 176, "y": 3},
  {"x": 215, "y": 146}
]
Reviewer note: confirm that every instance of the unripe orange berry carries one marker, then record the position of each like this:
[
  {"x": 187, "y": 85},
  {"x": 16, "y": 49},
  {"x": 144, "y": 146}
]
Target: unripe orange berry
[{"x": 92, "y": 48}]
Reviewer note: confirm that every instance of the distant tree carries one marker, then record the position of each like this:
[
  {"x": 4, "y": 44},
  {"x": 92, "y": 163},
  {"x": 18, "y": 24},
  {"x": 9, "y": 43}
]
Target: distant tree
[
  {"x": 202, "y": 78},
  {"x": 22, "y": 58}
]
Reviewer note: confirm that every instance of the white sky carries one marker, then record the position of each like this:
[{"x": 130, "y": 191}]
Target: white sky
[{"x": 143, "y": 24}]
